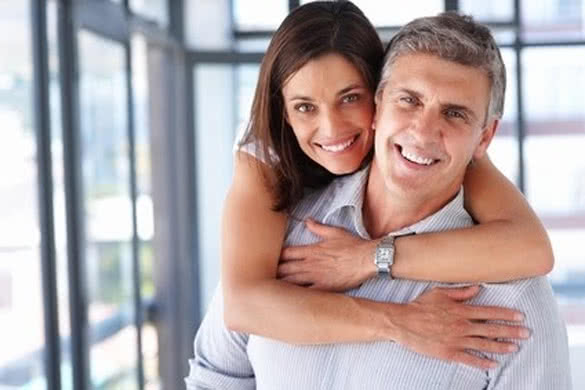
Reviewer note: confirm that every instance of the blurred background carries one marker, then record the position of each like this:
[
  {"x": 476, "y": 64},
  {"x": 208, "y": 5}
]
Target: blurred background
[{"x": 117, "y": 120}]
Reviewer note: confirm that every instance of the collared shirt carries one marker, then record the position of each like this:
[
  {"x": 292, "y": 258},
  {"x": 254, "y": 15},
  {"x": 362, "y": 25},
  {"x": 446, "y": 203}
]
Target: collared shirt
[{"x": 233, "y": 360}]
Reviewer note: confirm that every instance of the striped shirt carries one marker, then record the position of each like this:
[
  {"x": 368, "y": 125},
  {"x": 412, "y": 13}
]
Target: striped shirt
[{"x": 233, "y": 360}]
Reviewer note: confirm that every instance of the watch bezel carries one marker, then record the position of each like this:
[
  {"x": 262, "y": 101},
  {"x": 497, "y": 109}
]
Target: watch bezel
[{"x": 384, "y": 258}]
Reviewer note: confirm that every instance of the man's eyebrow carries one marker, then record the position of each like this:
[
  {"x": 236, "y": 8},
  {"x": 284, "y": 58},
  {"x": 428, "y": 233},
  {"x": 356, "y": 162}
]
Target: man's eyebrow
[{"x": 406, "y": 90}]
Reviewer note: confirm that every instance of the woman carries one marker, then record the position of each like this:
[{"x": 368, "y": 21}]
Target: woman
[{"x": 310, "y": 121}]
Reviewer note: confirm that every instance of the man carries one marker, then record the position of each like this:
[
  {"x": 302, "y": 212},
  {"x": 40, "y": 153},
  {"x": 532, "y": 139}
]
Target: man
[{"x": 438, "y": 107}]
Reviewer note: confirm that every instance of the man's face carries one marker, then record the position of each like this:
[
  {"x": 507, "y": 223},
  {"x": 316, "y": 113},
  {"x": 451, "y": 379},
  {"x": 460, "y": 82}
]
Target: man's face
[{"x": 430, "y": 122}]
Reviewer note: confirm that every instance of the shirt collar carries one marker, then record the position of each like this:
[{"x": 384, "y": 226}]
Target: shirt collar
[{"x": 348, "y": 192}]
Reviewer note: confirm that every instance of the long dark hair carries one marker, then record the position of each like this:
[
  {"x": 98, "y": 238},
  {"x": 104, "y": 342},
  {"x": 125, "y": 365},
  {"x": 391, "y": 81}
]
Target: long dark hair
[{"x": 310, "y": 31}]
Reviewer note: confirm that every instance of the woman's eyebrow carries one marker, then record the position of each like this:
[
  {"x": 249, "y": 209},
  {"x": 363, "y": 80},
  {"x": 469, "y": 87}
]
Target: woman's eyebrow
[{"x": 349, "y": 88}]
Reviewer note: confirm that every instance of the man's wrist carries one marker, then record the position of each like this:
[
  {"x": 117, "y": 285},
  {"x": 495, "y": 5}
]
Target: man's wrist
[{"x": 368, "y": 265}]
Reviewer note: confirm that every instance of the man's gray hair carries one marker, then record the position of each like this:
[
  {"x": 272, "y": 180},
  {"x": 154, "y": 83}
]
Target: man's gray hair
[{"x": 452, "y": 37}]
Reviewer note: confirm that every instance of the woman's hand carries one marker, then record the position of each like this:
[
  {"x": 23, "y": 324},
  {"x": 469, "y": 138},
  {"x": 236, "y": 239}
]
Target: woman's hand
[
  {"x": 440, "y": 325},
  {"x": 339, "y": 262}
]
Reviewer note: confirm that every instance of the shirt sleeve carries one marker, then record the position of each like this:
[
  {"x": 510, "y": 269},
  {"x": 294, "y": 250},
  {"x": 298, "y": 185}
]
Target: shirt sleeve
[
  {"x": 253, "y": 147},
  {"x": 221, "y": 359},
  {"x": 542, "y": 362}
]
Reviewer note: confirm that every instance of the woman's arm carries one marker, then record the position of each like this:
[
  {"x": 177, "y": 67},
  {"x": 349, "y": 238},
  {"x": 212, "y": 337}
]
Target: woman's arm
[
  {"x": 509, "y": 243},
  {"x": 256, "y": 302}
]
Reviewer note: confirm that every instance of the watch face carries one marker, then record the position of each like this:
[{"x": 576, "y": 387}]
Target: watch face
[{"x": 383, "y": 255}]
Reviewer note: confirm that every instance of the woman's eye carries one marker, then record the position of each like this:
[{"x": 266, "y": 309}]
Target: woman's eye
[
  {"x": 350, "y": 98},
  {"x": 304, "y": 107}
]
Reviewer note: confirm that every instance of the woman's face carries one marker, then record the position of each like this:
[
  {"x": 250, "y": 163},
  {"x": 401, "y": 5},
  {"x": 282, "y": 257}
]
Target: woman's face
[{"x": 330, "y": 108}]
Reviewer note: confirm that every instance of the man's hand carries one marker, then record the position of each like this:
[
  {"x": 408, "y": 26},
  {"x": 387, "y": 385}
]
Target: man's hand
[
  {"x": 440, "y": 325},
  {"x": 339, "y": 262}
]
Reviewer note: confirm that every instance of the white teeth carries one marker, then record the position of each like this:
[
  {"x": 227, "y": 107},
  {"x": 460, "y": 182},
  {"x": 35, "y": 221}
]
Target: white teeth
[
  {"x": 416, "y": 159},
  {"x": 338, "y": 147}
]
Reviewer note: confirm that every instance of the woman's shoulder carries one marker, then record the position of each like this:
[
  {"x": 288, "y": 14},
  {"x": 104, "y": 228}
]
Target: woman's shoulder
[{"x": 247, "y": 143}]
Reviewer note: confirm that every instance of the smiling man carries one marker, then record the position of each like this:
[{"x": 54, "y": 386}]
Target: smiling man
[{"x": 438, "y": 107}]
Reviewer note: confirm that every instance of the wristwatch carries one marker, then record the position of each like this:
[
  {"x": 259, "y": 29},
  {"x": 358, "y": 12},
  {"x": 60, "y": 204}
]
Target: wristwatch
[{"x": 384, "y": 258}]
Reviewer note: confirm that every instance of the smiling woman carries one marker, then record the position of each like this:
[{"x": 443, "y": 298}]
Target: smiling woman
[{"x": 330, "y": 109}]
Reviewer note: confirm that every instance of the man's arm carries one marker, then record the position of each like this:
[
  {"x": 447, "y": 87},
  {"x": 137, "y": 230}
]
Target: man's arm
[
  {"x": 542, "y": 363},
  {"x": 221, "y": 359}
]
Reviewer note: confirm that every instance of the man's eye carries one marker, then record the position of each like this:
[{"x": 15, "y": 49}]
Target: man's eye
[
  {"x": 408, "y": 100},
  {"x": 455, "y": 114},
  {"x": 304, "y": 107},
  {"x": 351, "y": 98}
]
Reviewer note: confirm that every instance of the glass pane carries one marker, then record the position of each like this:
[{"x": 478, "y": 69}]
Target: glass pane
[
  {"x": 248, "y": 17},
  {"x": 233, "y": 88},
  {"x": 555, "y": 174},
  {"x": 21, "y": 307},
  {"x": 144, "y": 208},
  {"x": 208, "y": 24},
  {"x": 254, "y": 45},
  {"x": 108, "y": 211},
  {"x": 214, "y": 163},
  {"x": 59, "y": 195},
  {"x": 553, "y": 20},
  {"x": 156, "y": 10},
  {"x": 247, "y": 76},
  {"x": 387, "y": 13},
  {"x": 489, "y": 11},
  {"x": 504, "y": 148},
  {"x": 555, "y": 121}
]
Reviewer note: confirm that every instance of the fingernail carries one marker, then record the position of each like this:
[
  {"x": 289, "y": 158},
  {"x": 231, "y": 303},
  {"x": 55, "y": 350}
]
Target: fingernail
[
  {"x": 493, "y": 365},
  {"x": 519, "y": 317},
  {"x": 525, "y": 333},
  {"x": 512, "y": 348}
]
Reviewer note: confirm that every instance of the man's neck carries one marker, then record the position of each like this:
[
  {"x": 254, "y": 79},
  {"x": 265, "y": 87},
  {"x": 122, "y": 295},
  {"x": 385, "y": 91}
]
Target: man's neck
[{"x": 385, "y": 211}]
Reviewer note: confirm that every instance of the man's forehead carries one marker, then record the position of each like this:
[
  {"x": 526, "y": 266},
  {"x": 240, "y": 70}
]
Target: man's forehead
[{"x": 430, "y": 76}]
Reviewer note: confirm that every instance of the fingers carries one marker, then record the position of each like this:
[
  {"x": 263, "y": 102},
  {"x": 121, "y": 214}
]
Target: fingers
[
  {"x": 460, "y": 294},
  {"x": 474, "y": 312},
  {"x": 324, "y": 231},
  {"x": 299, "y": 279},
  {"x": 289, "y": 268},
  {"x": 488, "y": 345},
  {"x": 295, "y": 252},
  {"x": 498, "y": 331},
  {"x": 473, "y": 360}
]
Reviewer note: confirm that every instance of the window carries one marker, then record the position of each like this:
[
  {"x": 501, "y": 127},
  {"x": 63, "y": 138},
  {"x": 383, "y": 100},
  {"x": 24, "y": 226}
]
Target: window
[
  {"x": 21, "y": 310},
  {"x": 107, "y": 211}
]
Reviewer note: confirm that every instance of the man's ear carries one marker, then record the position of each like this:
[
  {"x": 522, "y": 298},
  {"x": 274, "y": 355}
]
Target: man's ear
[
  {"x": 487, "y": 135},
  {"x": 377, "y": 99}
]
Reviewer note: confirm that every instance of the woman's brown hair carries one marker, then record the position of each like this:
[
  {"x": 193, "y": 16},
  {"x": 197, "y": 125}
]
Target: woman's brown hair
[{"x": 310, "y": 31}]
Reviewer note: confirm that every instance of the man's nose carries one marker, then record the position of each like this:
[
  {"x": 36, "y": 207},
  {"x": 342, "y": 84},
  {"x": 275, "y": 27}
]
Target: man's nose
[{"x": 427, "y": 125}]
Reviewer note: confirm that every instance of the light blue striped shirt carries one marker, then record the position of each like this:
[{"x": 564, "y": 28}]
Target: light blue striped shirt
[{"x": 233, "y": 360}]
